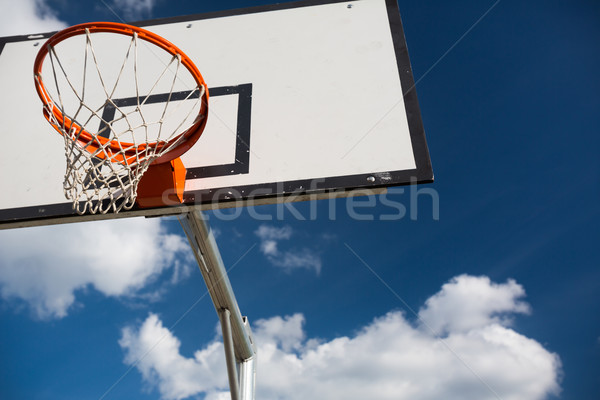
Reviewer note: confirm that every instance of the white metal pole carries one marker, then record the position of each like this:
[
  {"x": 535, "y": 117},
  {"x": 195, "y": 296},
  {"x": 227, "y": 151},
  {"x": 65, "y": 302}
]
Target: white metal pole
[
  {"x": 247, "y": 372},
  {"x": 237, "y": 335},
  {"x": 234, "y": 385}
]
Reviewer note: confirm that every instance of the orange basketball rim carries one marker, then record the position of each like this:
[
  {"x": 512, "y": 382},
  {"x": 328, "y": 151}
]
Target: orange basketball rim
[{"x": 115, "y": 150}]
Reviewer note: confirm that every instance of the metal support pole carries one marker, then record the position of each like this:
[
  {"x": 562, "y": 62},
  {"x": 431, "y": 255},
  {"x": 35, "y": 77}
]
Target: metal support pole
[
  {"x": 240, "y": 351},
  {"x": 234, "y": 386},
  {"x": 247, "y": 371}
]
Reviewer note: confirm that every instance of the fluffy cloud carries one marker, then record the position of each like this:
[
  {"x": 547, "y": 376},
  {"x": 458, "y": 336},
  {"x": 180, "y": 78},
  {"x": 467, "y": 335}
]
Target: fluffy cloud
[
  {"x": 289, "y": 260},
  {"x": 467, "y": 302},
  {"x": 269, "y": 235},
  {"x": 155, "y": 352},
  {"x": 134, "y": 9},
  {"x": 286, "y": 333},
  {"x": 390, "y": 358},
  {"x": 27, "y": 16},
  {"x": 46, "y": 266}
]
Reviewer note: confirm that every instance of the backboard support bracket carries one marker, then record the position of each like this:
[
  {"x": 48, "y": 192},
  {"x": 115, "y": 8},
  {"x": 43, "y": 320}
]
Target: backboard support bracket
[{"x": 162, "y": 185}]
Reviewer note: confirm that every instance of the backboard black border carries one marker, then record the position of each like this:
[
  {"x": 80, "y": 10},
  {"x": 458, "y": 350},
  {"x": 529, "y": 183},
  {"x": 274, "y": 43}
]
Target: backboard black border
[{"x": 241, "y": 163}]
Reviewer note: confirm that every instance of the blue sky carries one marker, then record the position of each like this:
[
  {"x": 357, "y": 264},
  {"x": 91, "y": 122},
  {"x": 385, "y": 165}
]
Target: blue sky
[{"x": 486, "y": 288}]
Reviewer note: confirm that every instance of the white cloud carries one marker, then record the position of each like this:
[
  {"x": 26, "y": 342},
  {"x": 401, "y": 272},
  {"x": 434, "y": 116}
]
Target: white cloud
[
  {"x": 155, "y": 352},
  {"x": 46, "y": 266},
  {"x": 289, "y": 260},
  {"x": 24, "y": 17},
  {"x": 269, "y": 247},
  {"x": 134, "y": 9},
  {"x": 468, "y": 302},
  {"x": 294, "y": 259},
  {"x": 390, "y": 358},
  {"x": 269, "y": 235},
  {"x": 286, "y": 332}
]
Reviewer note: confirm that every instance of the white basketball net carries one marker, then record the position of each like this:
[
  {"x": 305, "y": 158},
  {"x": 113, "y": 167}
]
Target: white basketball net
[{"x": 115, "y": 100}]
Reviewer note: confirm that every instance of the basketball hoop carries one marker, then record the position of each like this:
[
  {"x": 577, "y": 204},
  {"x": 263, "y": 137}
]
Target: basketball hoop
[{"x": 125, "y": 101}]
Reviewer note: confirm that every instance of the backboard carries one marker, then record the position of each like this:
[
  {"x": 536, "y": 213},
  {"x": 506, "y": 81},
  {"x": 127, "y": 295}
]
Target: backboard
[{"x": 307, "y": 98}]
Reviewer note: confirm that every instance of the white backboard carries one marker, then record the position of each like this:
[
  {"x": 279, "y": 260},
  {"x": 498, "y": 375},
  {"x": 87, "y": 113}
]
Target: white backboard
[{"x": 305, "y": 98}]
